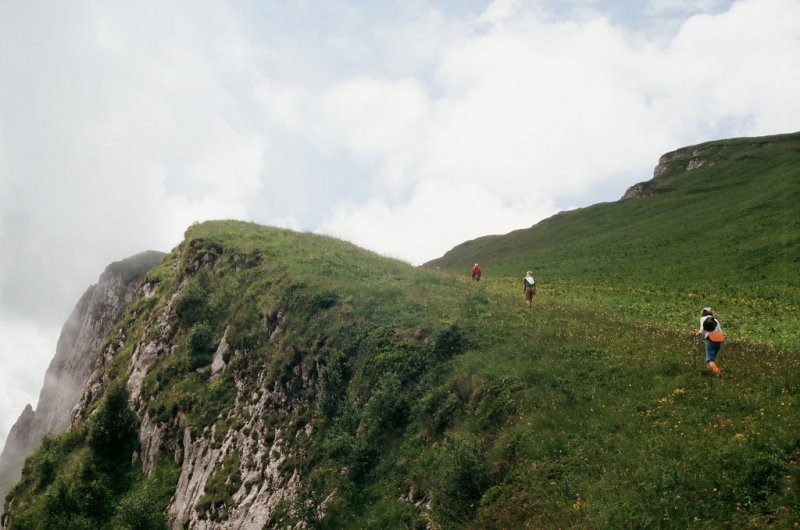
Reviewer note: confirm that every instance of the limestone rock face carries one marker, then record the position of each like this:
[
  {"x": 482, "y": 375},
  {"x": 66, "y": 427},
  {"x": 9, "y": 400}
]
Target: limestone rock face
[
  {"x": 19, "y": 434},
  {"x": 685, "y": 158},
  {"x": 15, "y": 450},
  {"x": 77, "y": 350}
]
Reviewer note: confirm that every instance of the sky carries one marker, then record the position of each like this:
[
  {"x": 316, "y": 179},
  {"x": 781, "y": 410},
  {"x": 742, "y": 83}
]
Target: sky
[{"x": 406, "y": 127}]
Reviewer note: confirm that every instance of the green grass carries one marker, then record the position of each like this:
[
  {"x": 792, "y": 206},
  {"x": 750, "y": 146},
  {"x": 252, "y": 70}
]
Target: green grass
[
  {"x": 437, "y": 402},
  {"x": 726, "y": 234}
]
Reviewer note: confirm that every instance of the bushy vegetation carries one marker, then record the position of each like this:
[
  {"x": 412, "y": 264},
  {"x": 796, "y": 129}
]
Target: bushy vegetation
[
  {"x": 84, "y": 479},
  {"x": 416, "y": 398}
]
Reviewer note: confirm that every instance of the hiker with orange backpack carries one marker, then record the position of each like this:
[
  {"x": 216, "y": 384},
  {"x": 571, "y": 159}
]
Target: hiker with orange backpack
[{"x": 712, "y": 333}]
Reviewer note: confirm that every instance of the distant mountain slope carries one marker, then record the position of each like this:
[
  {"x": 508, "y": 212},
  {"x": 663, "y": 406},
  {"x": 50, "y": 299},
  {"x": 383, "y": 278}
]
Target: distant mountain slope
[
  {"x": 82, "y": 335},
  {"x": 720, "y": 219}
]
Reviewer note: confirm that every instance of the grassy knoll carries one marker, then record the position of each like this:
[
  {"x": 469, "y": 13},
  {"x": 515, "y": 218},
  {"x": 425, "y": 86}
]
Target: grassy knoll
[
  {"x": 724, "y": 234},
  {"x": 433, "y": 401}
]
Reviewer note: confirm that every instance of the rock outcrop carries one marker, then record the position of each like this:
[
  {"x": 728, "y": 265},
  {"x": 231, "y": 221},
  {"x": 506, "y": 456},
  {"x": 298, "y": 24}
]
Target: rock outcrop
[
  {"x": 16, "y": 449},
  {"x": 81, "y": 337},
  {"x": 687, "y": 158}
]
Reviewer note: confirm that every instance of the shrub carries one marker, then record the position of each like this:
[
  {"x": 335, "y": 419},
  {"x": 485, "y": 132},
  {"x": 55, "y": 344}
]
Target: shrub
[
  {"x": 449, "y": 343},
  {"x": 57, "y": 502},
  {"x": 112, "y": 430},
  {"x": 332, "y": 389},
  {"x": 45, "y": 461},
  {"x": 322, "y": 301},
  {"x": 200, "y": 342},
  {"x": 191, "y": 305},
  {"x": 385, "y": 409},
  {"x": 139, "y": 511},
  {"x": 461, "y": 481}
]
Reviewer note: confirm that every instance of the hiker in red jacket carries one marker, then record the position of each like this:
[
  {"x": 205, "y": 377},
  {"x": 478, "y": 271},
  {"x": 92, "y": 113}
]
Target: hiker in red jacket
[{"x": 476, "y": 273}]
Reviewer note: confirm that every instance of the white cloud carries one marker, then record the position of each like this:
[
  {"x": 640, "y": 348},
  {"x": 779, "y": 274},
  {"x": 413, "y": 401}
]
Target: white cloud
[
  {"x": 553, "y": 108},
  {"x": 25, "y": 352},
  {"x": 734, "y": 66},
  {"x": 373, "y": 117},
  {"x": 453, "y": 212}
]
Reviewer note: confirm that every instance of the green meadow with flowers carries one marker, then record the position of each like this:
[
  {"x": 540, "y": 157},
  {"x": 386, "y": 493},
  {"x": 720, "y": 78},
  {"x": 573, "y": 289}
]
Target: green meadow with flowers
[
  {"x": 719, "y": 226},
  {"x": 416, "y": 398}
]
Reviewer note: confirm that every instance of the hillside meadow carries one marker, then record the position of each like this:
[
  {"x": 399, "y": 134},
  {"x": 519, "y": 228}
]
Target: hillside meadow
[
  {"x": 411, "y": 397},
  {"x": 719, "y": 227}
]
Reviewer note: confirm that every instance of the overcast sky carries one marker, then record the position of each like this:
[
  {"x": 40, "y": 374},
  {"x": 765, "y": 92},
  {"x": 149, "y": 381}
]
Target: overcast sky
[{"x": 404, "y": 126}]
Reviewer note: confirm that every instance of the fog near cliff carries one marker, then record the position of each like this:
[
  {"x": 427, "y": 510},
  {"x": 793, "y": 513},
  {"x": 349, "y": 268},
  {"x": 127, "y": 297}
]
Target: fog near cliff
[{"x": 406, "y": 127}]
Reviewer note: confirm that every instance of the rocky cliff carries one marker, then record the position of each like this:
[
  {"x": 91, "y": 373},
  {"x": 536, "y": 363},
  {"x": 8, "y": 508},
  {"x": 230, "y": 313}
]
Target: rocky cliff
[
  {"x": 81, "y": 337},
  {"x": 231, "y": 360},
  {"x": 686, "y": 159}
]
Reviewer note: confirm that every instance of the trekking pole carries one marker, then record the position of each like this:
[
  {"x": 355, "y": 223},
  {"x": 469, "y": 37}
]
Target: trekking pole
[
  {"x": 694, "y": 350},
  {"x": 724, "y": 364}
]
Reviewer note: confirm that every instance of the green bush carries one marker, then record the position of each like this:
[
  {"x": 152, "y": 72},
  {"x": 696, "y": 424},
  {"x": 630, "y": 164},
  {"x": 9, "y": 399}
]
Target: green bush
[
  {"x": 386, "y": 408},
  {"x": 462, "y": 478},
  {"x": 332, "y": 389},
  {"x": 200, "y": 342},
  {"x": 112, "y": 430},
  {"x": 57, "y": 503},
  {"x": 322, "y": 301},
  {"x": 192, "y": 304},
  {"x": 45, "y": 461},
  {"x": 139, "y": 511},
  {"x": 95, "y": 497},
  {"x": 450, "y": 342}
]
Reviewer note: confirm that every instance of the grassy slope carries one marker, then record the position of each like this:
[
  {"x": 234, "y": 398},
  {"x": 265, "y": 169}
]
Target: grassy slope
[
  {"x": 726, "y": 234},
  {"x": 429, "y": 390}
]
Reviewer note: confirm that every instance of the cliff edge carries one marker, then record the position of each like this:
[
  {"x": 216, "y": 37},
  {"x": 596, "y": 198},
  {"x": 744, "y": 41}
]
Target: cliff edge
[{"x": 81, "y": 337}]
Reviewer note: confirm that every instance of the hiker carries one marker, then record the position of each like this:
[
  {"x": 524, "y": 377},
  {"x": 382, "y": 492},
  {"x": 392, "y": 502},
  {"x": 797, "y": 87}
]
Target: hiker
[
  {"x": 529, "y": 288},
  {"x": 476, "y": 273},
  {"x": 712, "y": 333}
]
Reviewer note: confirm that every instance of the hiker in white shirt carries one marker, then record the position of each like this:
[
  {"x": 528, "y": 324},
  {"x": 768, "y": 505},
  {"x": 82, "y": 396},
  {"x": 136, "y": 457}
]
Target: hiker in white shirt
[
  {"x": 712, "y": 333},
  {"x": 529, "y": 288}
]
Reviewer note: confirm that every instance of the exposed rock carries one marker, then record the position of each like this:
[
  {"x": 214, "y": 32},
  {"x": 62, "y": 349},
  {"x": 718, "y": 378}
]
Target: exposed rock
[
  {"x": 664, "y": 162},
  {"x": 218, "y": 364},
  {"x": 150, "y": 437},
  {"x": 143, "y": 358},
  {"x": 642, "y": 189},
  {"x": 695, "y": 163},
  {"x": 16, "y": 449},
  {"x": 634, "y": 191},
  {"x": 19, "y": 436},
  {"x": 149, "y": 289},
  {"x": 262, "y": 484}
]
